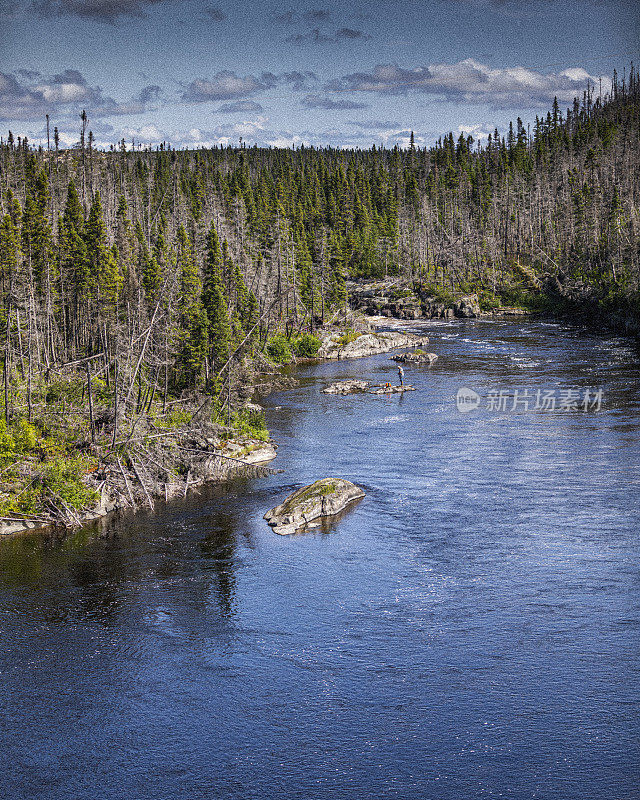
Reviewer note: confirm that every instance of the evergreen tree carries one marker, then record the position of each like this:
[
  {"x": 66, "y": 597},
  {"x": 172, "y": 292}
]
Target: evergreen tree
[
  {"x": 215, "y": 301},
  {"x": 103, "y": 279},
  {"x": 37, "y": 237},
  {"x": 9, "y": 253},
  {"x": 192, "y": 318},
  {"x": 72, "y": 253}
]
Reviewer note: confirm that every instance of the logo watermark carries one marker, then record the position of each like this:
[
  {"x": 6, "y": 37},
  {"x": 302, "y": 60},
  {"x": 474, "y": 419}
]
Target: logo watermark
[{"x": 507, "y": 400}]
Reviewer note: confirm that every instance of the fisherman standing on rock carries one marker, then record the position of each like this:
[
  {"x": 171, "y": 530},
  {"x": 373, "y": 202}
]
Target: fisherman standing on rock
[{"x": 401, "y": 375}]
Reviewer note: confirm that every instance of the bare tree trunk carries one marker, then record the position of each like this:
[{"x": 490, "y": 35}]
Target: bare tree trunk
[{"x": 90, "y": 396}]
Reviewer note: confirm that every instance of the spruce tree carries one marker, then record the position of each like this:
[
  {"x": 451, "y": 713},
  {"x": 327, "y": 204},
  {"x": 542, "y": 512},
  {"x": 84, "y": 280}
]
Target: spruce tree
[
  {"x": 103, "y": 279},
  {"x": 9, "y": 253},
  {"x": 214, "y": 300},
  {"x": 192, "y": 318}
]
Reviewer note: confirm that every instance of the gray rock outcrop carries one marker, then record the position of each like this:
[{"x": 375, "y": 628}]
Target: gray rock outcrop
[
  {"x": 467, "y": 307},
  {"x": 323, "y": 498},
  {"x": 347, "y": 387},
  {"x": 417, "y": 357},
  {"x": 368, "y": 344}
]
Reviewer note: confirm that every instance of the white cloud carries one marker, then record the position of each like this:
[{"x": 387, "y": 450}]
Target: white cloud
[
  {"x": 331, "y": 103},
  {"x": 224, "y": 85},
  {"x": 470, "y": 81},
  {"x": 228, "y": 85},
  {"x": 479, "y": 131},
  {"x": 32, "y": 95}
]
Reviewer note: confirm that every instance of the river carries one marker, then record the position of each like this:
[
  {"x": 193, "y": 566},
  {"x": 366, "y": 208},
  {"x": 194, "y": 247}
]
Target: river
[{"x": 470, "y": 629}]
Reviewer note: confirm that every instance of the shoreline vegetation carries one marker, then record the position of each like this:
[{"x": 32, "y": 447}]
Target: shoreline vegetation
[
  {"x": 64, "y": 480},
  {"x": 149, "y": 294}
]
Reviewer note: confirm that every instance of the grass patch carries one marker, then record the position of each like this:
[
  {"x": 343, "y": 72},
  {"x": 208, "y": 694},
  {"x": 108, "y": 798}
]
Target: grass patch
[
  {"x": 347, "y": 337},
  {"x": 318, "y": 489}
]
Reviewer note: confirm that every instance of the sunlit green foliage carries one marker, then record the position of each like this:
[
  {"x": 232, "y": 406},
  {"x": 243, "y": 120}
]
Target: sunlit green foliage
[{"x": 278, "y": 349}]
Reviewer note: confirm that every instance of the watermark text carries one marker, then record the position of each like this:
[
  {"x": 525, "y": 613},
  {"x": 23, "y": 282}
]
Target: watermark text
[{"x": 508, "y": 400}]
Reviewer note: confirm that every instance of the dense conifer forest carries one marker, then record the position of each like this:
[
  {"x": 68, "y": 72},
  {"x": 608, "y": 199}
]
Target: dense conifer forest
[{"x": 137, "y": 278}]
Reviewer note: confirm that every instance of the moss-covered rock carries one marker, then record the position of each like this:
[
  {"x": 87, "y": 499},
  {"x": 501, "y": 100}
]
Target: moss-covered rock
[
  {"x": 417, "y": 357},
  {"x": 323, "y": 498}
]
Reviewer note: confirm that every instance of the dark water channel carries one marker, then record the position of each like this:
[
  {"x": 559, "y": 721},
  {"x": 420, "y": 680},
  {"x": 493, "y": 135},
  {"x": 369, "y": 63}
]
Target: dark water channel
[{"x": 471, "y": 629}]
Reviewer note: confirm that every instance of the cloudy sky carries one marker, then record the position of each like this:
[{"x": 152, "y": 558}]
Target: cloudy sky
[{"x": 199, "y": 72}]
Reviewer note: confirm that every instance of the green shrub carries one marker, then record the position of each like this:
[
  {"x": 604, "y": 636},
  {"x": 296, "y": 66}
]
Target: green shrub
[
  {"x": 25, "y": 436},
  {"x": 488, "y": 301},
  {"x": 278, "y": 349},
  {"x": 175, "y": 418},
  {"x": 8, "y": 505},
  {"x": 27, "y": 501},
  {"x": 439, "y": 294},
  {"x": 70, "y": 390},
  {"x": 306, "y": 346},
  {"x": 523, "y": 298},
  {"x": 7, "y": 442},
  {"x": 400, "y": 294},
  {"x": 100, "y": 389},
  {"x": 251, "y": 423},
  {"x": 63, "y": 478}
]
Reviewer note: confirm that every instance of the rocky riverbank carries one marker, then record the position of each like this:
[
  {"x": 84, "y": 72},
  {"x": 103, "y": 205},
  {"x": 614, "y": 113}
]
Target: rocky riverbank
[
  {"x": 357, "y": 345},
  {"x": 151, "y": 472},
  {"x": 557, "y": 297},
  {"x": 65, "y": 479},
  {"x": 399, "y": 299},
  {"x": 583, "y": 304}
]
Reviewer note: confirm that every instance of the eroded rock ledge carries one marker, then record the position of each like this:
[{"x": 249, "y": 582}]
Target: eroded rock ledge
[
  {"x": 368, "y": 344},
  {"x": 324, "y": 498},
  {"x": 347, "y": 387},
  {"x": 417, "y": 357}
]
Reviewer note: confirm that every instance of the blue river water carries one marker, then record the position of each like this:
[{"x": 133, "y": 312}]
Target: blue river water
[{"x": 471, "y": 629}]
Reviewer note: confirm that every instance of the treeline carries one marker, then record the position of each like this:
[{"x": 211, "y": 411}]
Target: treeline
[{"x": 165, "y": 263}]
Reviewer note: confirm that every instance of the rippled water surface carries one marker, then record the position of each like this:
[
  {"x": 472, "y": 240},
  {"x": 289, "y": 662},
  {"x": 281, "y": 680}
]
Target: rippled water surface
[{"x": 471, "y": 629}]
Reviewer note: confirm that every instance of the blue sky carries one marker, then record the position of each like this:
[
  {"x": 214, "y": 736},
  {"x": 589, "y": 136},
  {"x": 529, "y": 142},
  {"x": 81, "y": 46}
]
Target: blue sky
[{"x": 199, "y": 72}]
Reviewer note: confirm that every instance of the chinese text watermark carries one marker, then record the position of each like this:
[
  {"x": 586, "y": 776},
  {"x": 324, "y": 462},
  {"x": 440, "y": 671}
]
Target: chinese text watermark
[{"x": 505, "y": 400}]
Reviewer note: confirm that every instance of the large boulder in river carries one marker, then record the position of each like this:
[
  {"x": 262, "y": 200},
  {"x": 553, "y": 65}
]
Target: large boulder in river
[
  {"x": 416, "y": 357},
  {"x": 367, "y": 344},
  {"x": 347, "y": 387},
  {"x": 324, "y": 498}
]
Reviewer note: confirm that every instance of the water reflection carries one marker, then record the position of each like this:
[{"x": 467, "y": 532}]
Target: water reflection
[{"x": 93, "y": 572}]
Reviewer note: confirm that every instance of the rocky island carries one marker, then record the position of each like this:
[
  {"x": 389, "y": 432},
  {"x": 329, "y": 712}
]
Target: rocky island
[
  {"x": 347, "y": 387},
  {"x": 324, "y": 498},
  {"x": 416, "y": 357}
]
